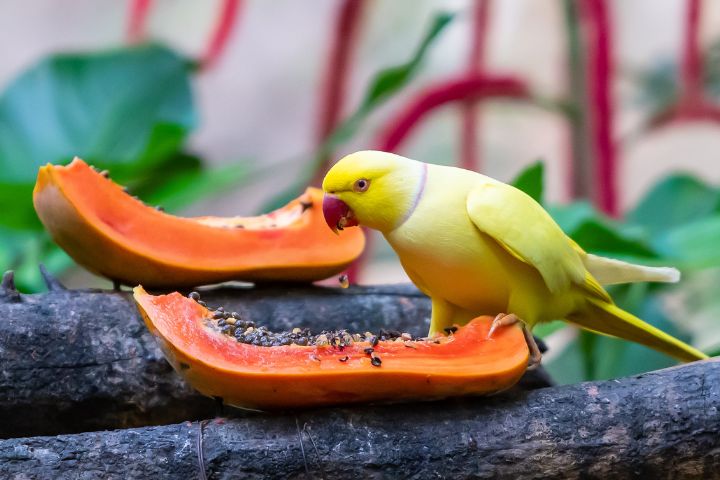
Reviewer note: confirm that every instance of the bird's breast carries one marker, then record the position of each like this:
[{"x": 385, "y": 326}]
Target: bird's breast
[{"x": 450, "y": 258}]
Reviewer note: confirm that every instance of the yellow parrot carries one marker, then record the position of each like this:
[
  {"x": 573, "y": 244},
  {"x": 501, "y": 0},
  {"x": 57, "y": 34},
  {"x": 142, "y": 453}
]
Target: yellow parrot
[{"x": 477, "y": 246}]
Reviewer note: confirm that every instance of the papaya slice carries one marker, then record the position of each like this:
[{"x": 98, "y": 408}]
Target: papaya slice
[
  {"x": 305, "y": 372},
  {"x": 115, "y": 235}
]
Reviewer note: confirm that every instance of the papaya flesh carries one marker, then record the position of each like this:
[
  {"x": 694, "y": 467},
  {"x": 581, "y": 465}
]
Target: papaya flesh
[
  {"x": 115, "y": 235},
  {"x": 201, "y": 347}
]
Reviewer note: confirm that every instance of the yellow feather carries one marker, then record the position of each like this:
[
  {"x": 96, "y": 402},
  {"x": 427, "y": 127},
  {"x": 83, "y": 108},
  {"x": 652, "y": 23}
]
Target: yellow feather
[
  {"x": 606, "y": 318},
  {"x": 609, "y": 271},
  {"x": 477, "y": 246},
  {"x": 500, "y": 211}
]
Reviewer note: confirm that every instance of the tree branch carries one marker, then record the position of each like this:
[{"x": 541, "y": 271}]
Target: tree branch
[{"x": 659, "y": 425}]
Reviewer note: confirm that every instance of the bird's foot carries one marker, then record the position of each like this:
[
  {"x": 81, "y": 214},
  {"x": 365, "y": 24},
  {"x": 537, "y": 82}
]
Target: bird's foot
[{"x": 502, "y": 320}]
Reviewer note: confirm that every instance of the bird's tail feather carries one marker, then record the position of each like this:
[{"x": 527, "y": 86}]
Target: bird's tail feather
[
  {"x": 606, "y": 318},
  {"x": 609, "y": 271}
]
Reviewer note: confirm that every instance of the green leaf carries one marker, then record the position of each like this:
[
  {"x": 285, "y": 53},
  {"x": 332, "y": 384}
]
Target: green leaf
[
  {"x": 27, "y": 272},
  {"x": 604, "y": 238},
  {"x": 530, "y": 181},
  {"x": 10, "y": 247},
  {"x": 543, "y": 330},
  {"x": 675, "y": 200},
  {"x": 383, "y": 86},
  {"x": 567, "y": 367},
  {"x": 587, "y": 342},
  {"x": 392, "y": 79},
  {"x": 27, "y": 276},
  {"x": 571, "y": 216},
  {"x": 124, "y": 106},
  {"x": 125, "y": 109},
  {"x": 144, "y": 183},
  {"x": 22, "y": 251},
  {"x": 694, "y": 245},
  {"x": 188, "y": 187},
  {"x": 600, "y": 235},
  {"x": 17, "y": 207}
]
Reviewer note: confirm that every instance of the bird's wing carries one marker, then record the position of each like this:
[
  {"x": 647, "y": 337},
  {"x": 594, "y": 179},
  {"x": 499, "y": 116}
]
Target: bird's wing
[{"x": 521, "y": 226}]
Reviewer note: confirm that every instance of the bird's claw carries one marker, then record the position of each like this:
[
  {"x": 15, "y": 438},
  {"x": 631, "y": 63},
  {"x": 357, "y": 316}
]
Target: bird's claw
[{"x": 502, "y": 320}]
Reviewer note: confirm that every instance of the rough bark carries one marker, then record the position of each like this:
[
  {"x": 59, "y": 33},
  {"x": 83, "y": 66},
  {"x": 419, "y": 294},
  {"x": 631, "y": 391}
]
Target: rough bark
[
  {"x": 658, "y": 425},
  {"x": 73, "y": 361}
]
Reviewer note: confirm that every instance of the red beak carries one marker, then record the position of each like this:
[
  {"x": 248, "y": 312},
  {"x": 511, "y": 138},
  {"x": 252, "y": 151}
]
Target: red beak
[{"x": 337, "y": 214}]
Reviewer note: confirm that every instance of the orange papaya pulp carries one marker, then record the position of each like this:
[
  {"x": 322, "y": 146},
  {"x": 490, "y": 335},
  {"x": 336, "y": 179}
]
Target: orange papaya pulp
[
  {"x": 115, "y": 235},
  {"x": 289, "y": 376}
]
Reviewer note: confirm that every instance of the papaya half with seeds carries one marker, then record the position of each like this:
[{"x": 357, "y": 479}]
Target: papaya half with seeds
[
  {"x": 243, "y": 374},
  {"x": 115, "y": 235}
]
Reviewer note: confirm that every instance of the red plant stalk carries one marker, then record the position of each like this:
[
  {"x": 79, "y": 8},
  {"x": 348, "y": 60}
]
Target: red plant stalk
[
  {"x": 692, "y": 60},
  {"x": 600, "y": 74},
  {"x": 469, "y": 154},
  {"x": 473, "y": 87},
  {"x": 138, "y": 13},
  {"x": 579, "y": 181},
  {"x": 466, "y": 88},
  {"x": 692, "y": 104},
  {"x": 221, "y": 33},
  {"x": 337, "y": 73}
]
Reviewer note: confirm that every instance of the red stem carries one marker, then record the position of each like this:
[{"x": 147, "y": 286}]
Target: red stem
[
  {"x": 138, "y": 16},
  {"x": 692, "y": 105},
  {"x": 481, "y": 15},
  {"x": 702, "y": 111},
  {"x": 336, "y": 76},
  {"x": 469, "y": 126},
  {"x": 469, "y": 154},
  {"x": 600, "y": 74},
  {"x": 221, "y": 34},
  {"x": 692, "y": 59},
  {"x": 580, "y": 183},
  {"x": 471, "y": 87}
]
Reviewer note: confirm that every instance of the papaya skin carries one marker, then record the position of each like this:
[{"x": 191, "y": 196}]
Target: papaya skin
[
  {"x": 117, "y": 236},
  {"x": 293, "y": 376}
]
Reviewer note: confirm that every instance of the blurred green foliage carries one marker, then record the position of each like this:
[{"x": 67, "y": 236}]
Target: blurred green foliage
[
  {"x": 676, "y": 223},
  {"x": 128, "y": 110},
  {"x": 385, "y": 84},
  {"x": 530, "y": 181},
  {"x": 659, "y": 86}
]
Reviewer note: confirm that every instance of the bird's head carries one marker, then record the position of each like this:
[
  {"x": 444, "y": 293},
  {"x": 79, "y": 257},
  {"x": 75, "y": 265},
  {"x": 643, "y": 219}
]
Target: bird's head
[{"x": 371, "y": 188}]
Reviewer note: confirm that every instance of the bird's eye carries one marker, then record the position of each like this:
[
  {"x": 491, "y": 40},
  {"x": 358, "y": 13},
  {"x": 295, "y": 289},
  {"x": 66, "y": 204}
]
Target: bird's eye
[{"x": 361, "y": 185}]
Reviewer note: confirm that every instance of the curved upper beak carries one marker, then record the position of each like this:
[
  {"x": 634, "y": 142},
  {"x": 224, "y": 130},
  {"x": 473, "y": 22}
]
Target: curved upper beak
[{"x": 337, "y": 213}]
